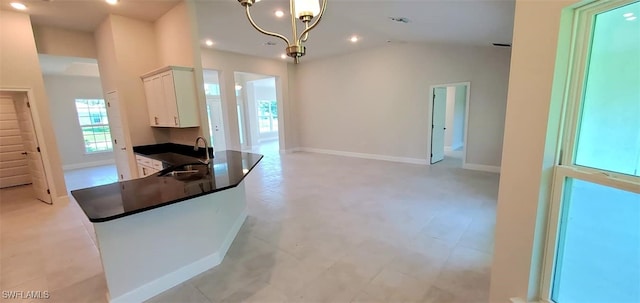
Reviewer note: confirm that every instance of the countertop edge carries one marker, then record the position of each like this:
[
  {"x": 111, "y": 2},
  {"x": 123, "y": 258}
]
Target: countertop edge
[
  {"x": 137, "y": 211},
  {"x": 114, "y": 217}
]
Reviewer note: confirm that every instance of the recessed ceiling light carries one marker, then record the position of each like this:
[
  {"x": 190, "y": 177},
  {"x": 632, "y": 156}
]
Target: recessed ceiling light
[
  {"x": 279, "y": 14},
  {"x": 632, "y": 18},
  {"x": 627, "y": 15},
  {"x": 354, "y": 39},
  {"x": 18, "y": 6},
  {"x": 208, "y": 42},
  {"x": 283, "y": 56},
  {"x": 112, "y": 2}
]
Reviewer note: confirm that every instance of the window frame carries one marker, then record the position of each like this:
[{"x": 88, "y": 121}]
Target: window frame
[
  {"x": 579, "y": 54},
  {"x": 81, "y": 126},
  {"x": 272, "y": 122}
]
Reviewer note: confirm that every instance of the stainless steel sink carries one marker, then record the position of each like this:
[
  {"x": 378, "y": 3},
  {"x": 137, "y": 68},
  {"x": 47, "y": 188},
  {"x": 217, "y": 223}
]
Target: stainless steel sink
[{"x": 186, "y": 172}]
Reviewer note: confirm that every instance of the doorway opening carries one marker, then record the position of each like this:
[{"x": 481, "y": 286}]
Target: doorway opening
[
  {"x": 83, "y": 121},
  {"x": 449, "y": 109},
  {"x": 258, "y": 112},
  {"x": 214, "y": 109},
  {"x": 22, "y": 168}
]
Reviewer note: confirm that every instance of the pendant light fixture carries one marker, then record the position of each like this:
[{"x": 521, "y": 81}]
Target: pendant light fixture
[{"x": 308, "y": 11}]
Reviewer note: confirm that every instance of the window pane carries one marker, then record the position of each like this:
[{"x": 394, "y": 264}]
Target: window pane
[
  {"x": 84, "y": 120},
  {"x": 81, "y": 103},
  {"x": 96, "y": 138},
  {"x": 598, "y": 259},
  {"x": 609, "y": 131}
]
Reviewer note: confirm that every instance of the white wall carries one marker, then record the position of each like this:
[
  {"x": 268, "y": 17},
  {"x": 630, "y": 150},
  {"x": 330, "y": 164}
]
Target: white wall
[
  {"x": 454, "y": 134},
  {"x": 459, "y": 108},
  {"x": 63, "y": 42},
  {"x": 449, "y": 116},
  {"x": 20, "y": 68},
  {"x": 376, "y": 101},
  {"x": 528, "y": 151},
  {"x": 178, "y": 43},
  {"x": 227, "y": 63},
  {"x": 62, "y": 92}
]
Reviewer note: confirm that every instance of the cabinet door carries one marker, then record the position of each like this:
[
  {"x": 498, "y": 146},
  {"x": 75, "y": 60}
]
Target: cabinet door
[
  {"x": 155, "y": 101},
  {"x": 171, "y": 105},
  {"x": 186, "y": 98},
  {"x": 141, "y": 172}
]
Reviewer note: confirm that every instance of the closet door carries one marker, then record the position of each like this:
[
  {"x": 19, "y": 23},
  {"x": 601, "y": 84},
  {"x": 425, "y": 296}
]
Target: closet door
[{"x": 13, "y": 157}]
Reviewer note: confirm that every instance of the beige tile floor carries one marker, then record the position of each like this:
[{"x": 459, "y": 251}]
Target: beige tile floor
[{"x": 320, "y": 229}]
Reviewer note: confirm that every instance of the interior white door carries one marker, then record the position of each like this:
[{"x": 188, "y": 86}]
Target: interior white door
[
  {"x": 13, "y": 156},
  {"x": 117, "y": 135},
  {"x": 32, "y": 148},
  {"x": 216, "y": 125},
  {"x": 438, "y": 123}
]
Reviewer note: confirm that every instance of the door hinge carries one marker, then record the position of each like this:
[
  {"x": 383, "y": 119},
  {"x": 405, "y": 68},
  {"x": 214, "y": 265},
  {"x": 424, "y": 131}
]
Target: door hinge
[
  {"x": 38, "y": 148},
  {"x": 28, "y": 104},
  {"x": 431, "y": 155},
  {"x": 434, "y": 97},
  {"x": 108, "y": 104},
  {"x": 48, "y": 191}
]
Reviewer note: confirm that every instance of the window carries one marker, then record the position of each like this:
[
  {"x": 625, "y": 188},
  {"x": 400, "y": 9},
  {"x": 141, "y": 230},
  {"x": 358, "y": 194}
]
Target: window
[
  {"x": 267, "y": 116},
  {"x": 212, "y": 89},
  {"x": 593, "y": 240},
  {"x": 92, "y": 115}
]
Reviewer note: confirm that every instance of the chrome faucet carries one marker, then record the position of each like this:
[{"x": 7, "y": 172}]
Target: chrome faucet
[{"x": 206, "y": 147}]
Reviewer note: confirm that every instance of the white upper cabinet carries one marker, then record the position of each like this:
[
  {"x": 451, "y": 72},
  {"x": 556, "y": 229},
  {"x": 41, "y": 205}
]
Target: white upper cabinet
[{"x": 171, "y": 97}]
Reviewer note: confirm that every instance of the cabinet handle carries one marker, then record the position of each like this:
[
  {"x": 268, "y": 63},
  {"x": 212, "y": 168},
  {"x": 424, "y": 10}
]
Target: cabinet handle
[
  {"x": 175, "y": 120},
  {"x": 156, "y": 119},
  {"x": 144, "y": 171}
]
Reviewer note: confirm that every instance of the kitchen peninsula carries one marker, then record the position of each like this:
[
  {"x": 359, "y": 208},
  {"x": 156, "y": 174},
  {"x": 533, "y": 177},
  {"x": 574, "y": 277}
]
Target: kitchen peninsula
[{"x": 158, "y": 231}]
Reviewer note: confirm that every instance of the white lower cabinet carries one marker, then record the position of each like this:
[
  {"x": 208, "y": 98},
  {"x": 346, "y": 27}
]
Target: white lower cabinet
[{"x": 147, "y": 166}]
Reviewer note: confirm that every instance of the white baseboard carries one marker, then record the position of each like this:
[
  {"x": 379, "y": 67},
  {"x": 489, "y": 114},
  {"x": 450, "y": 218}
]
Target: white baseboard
[
  {"x": 170, "y": 280},
  {"x": 291, "y": 150},
  {"x": 88, "y": 164},
  {"x": 487, "y": 168},
  {"x": 185, "y": 273},
  {"x": 365, "y": 156}
]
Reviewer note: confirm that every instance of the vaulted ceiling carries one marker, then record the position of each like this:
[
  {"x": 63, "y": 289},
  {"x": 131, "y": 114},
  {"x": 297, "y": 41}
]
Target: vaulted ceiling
[
  {"x": 466, "y": 22},
  {"x": 463, "y": 22}
]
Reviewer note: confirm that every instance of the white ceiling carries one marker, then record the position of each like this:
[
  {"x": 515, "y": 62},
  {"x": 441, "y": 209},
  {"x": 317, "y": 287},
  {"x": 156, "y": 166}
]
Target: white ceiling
[
  {"x": 86, "y": 15},
  {"x": 469, "y": 22}
]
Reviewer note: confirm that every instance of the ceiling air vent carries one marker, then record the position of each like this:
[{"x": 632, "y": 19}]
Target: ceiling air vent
[
  {"x": 501, "y": 45},
  {"x": 400, "y": 19}
]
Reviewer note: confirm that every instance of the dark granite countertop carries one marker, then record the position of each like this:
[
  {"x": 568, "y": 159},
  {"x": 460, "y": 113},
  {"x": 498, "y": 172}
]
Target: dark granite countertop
[
  {"x": 107, "y": 202},
  {"x": 170, "y": 153}
]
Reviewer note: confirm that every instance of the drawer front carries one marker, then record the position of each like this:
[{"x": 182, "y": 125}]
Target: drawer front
[
  {"x": 156, "y": 164},
  {"x": 144, "y": 161}
]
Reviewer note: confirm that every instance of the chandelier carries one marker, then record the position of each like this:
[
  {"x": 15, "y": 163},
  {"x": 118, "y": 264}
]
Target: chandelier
[{"x": 306, "y": 11}]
